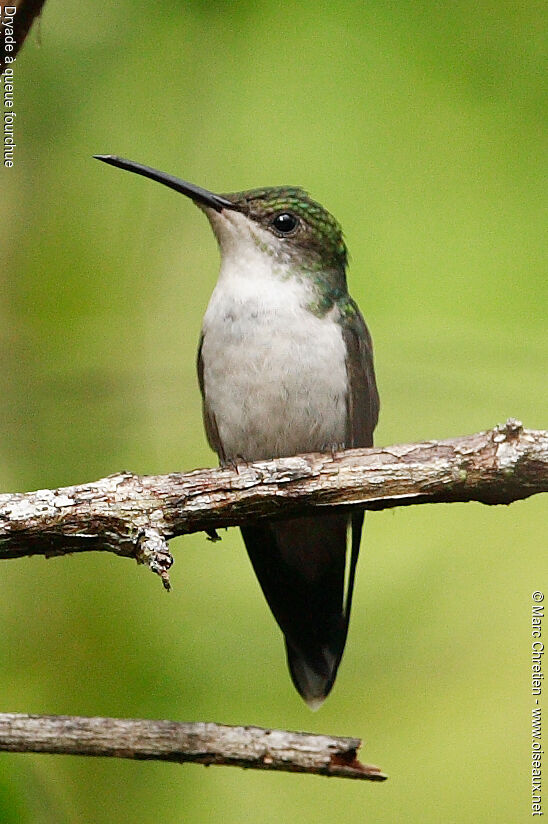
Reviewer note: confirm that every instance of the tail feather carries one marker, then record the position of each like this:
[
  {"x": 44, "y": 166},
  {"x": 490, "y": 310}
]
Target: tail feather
[
  {"x": 301, "y": 565},
  {"x": 312, "y": 682}
]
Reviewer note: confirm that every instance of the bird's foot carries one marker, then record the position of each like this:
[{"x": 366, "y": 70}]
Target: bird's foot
[
  {"x": 334, "y": 448},
  {"x": 234, "y": 463}
]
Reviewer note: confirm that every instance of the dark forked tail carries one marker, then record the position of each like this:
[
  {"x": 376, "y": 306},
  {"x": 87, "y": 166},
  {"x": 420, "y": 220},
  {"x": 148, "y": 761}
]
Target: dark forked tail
[{"x": 307, "y": 579}]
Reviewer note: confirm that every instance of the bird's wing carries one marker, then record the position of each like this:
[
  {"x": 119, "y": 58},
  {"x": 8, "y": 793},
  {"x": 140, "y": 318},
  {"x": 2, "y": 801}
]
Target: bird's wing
[
  {"x": 362, "y": 414},
  {"x": 210, "y": 424},
  {"x": 363, "y": 398}
]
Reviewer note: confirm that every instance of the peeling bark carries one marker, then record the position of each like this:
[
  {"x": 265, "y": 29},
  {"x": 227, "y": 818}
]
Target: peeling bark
[{"x": 134, "y": 515}]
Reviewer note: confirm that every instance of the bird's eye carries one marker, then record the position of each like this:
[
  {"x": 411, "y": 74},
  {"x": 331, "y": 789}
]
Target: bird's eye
[{"x": 285, "y": 223}]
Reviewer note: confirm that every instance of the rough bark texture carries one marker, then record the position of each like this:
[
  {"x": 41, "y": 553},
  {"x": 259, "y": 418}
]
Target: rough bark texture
[
  {"x": 134, "y": 516},
  {"x": 250, "y": 747}
]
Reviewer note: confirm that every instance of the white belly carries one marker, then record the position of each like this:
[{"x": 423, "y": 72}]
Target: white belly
[{"x": 274, "y": 374}]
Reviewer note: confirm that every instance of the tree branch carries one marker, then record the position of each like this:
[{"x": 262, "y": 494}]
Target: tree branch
[
  {"x": 134, "y": 516},
  {"x": 20, "y": 22},
  {"x": 250, "y": 747}
]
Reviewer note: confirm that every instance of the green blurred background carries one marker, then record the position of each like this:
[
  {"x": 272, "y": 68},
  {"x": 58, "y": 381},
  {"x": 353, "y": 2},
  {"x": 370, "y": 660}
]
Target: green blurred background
[{"x": 420, "y": 126}]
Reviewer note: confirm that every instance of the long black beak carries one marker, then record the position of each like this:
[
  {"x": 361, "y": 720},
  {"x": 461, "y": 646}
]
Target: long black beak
[{"x": 196, "y": 193}]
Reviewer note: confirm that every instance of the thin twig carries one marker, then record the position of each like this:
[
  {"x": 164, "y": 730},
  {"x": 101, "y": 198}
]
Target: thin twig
[{"x": 250, "y": 747}]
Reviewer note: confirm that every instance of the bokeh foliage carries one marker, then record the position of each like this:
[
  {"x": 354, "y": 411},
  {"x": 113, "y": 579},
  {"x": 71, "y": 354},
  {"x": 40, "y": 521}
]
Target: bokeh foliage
[{"x": 420, "y": 126}]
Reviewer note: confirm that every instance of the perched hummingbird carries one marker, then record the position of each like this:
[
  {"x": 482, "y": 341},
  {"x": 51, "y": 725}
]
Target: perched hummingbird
[{"x": 285, "y": 366}]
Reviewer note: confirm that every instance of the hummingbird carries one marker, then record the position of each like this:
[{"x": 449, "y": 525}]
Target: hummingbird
[{"x": 285, "y": 366}]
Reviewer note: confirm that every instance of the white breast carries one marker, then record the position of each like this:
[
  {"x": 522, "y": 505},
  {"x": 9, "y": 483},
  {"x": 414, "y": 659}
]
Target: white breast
[{"x": 274, "y": 373}]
